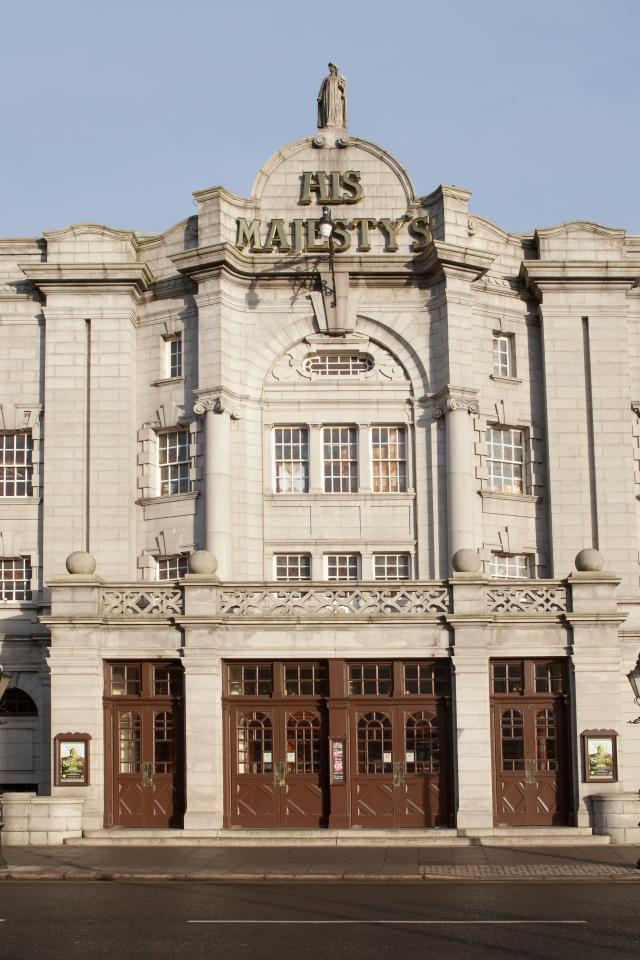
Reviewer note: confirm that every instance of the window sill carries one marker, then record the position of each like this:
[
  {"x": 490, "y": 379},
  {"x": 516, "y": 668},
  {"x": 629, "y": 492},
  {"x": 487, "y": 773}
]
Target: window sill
[
  {"x": 499, "y": 379},
  {"x": 320, "y": 495},
  {"x": 21, "y": 501},
  {"x": 169, "y": 498},
  {"x": 166, "y": 381},
  {"x": 520, "y": 497},
  {"x": 21, "y": 604}
]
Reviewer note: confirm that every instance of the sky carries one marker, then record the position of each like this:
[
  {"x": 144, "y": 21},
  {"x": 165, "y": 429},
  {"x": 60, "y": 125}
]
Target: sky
[{"x": 115, "y": 112}]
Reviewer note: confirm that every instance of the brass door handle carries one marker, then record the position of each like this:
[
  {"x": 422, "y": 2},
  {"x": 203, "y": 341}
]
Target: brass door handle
[
  {"x": 147, "y": 774},
  {"x": 398, "y": 774},
  {"x": 530, "y": 771},
  {"x": 279, "y": 774}
]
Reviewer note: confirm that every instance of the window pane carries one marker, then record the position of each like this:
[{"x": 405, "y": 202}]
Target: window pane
[
  {"x": 173, "y": 568},
  {"x": 173, "y": 455},
  {"x": 389, "y": 459},
  {"x": 514, "y": 566},
  {"x": 505, "y": 460},
  {"x": 291, "y": 459},
  {"x": 337, "y": 365},
  {"x": 15, "y": 578},
  {"x": 343, "y": 566},
  {"x": 16, "y": 464},
  {"x": 293, "y": 566},
  {"x": 391, "y": 566},
  {"x": 340, "y": 459},
  {"x": 503, "y": 355}
]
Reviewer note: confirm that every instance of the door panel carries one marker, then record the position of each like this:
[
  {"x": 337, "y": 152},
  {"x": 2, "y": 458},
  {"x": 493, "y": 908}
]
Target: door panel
[
  {"x": 144, "y": 745},
  {"x": 278, "y": 771},
  {"x": 530, "y": 775}
]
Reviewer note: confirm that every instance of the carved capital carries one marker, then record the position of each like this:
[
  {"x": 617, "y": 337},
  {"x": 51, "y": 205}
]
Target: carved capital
[
  {"x": 452, "y": 399},
  {"x": 217, "y": 403}
]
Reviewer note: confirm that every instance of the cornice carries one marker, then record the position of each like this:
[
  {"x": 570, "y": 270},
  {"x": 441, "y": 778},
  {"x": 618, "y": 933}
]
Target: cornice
[
  {"x": 81, "y": 277},
  {"x": 451, "y": 257},
  {"x": 538, "y": 274}
]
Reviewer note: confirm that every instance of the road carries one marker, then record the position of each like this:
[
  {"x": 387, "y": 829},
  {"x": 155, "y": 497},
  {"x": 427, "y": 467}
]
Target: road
[{"x": 287, "y": 921}]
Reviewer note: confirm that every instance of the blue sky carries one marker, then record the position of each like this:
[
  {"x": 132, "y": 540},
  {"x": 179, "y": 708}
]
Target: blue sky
[{"x": 114, "y": 112}]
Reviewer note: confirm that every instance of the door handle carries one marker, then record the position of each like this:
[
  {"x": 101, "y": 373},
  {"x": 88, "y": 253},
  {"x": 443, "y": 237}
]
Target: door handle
[
  {"x": 398, "y": 774},
  {"x": 279, "y": 774},
  {"x": 147, "y": 774},
  {"x": 530, "y": 771}
]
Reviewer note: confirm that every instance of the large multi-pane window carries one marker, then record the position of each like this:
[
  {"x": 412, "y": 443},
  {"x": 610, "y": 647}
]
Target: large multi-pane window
[
  {"x": 340, "y": 445},
  {"x": 503, "y": 360},
  {"x": 173, "y": 568},
  {"x": 292, "y": 459},
  {"x": 343, "y": 566},
  {"x": 505, "y": 460},
  {"x": 15, "y": 578},
  {"x": 293, "y": 566},
  {"x": 391, "y": 566},
  {"x": 389, "y": 459},
  {"x": 515, "y": 565},
  {"x": 174, "y": 462},
  {"x": 16, "y": 464}
]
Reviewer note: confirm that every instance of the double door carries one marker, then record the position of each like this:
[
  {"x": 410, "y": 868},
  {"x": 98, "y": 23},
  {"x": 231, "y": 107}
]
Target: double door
[
  {"x": 144, "y": 745},
  {"x": 278, "y": 773},
  {"x": 530, "y": 762},
  {"x": 399, "y": 770}
]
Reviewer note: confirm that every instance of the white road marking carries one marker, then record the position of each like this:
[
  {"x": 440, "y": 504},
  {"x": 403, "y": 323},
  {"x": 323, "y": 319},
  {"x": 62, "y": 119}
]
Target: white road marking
[{"x": 424, "y": 922}]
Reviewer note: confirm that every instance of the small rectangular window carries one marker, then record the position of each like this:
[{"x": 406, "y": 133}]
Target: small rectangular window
[
  {"x": 369, "y": 679},
  {"x": 510, "y": 565},
  {"x": 391, "y": 566},
  {"x": 340, "y": 459},
  {"x": 505, "y": 460},
  {"x": 125, "y": 680},
  {"x": 503, "y": 355},
  {"x": 389, "y": 459},
  {"x": 549, "y": 677},
  {"x": 305, "y": 680},
  {"x": 167, "y": 680},
  {"x": 343, "y": 566},
  {"x": 292, "y": 459},
  {"x": 250, "y": 679},
  {"x": 175, "y": 355},
  {"x": 507, "y": 677},
  {"x": 16, "y": 464},
  {"x": 293, "y": 566},
  {"x": 425, "y": 678},
  {"x": 173, "y": 568},
  {"x": 173, "y": 451},
  {"x": 15, "y": 578}
]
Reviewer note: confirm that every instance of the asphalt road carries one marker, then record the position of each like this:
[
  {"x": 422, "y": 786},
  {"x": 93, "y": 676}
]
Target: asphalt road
[{"x": 420, "y": 921}]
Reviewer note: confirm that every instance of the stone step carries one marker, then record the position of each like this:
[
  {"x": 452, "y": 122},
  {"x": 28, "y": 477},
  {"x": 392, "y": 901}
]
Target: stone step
[{"x": 500, "y": 836}]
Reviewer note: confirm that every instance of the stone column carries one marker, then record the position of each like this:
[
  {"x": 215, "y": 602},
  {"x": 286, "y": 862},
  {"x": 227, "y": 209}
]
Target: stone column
[
  {"x": 458, "y": 404},
  {"x": 472, "y": 727},
  {"x": 217, "y": 478}
]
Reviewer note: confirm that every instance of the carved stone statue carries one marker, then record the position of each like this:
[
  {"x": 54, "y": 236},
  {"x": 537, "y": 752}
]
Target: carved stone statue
[{"x": 332, "y": 100}]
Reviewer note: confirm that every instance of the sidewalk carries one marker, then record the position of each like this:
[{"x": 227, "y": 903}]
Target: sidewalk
[{"x": 225, "y": 864}]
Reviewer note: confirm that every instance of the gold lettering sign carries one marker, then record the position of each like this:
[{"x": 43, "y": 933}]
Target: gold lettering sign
[{"x": 301, "y": 235}]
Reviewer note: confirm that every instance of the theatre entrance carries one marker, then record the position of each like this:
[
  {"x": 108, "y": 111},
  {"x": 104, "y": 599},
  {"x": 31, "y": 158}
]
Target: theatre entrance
[
  {"x": 144, "y": 744},
  {"x": 531, "y": 754},
  {"x": 337, "y": 743}
]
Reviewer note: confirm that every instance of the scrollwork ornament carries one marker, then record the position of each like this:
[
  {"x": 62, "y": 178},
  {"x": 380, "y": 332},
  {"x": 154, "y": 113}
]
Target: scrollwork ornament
[{"x": 216, "y": 405}]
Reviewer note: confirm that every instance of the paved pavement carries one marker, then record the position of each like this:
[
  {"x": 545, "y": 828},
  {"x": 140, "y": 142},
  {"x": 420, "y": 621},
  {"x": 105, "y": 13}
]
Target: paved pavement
[{"x": 321, "y": 863}]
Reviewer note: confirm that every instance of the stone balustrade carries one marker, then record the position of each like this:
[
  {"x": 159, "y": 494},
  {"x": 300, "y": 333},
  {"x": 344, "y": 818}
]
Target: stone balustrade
[{"x": 272, "y": 601}]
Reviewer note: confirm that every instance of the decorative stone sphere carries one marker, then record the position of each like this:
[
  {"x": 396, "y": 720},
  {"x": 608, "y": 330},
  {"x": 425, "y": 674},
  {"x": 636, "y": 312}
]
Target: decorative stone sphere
[
  {"x": 466, "y": 561},
  {"x": 202, "y": 562},
  {"x": 589, "y": 561},
  {"x": 80, "y": 562}
]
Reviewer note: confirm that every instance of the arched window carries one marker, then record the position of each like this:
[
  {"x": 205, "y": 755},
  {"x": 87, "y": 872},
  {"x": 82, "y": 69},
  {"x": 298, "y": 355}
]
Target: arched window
[
  {"x": 303, "y": 742},
  {"x": 255, "y": 743},
  {"x": 374, "y": 743},
  {"x": 17, "y": 703},
  {"x": 512, "y": 738},
  {"x": 546, "y": 740},
  {"x": 422, "y": 742}
]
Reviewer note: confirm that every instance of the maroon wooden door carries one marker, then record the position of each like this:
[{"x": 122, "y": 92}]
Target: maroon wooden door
[
  {"x": 399, "y": 771},
  {"x": 530, "y": 748},
  {"x": 144, "y": 745},
  {"x": 278, "y": 774}
]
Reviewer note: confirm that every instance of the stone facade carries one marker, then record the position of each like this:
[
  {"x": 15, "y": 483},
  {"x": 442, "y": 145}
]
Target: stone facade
[{"x": 113, "y": 341}]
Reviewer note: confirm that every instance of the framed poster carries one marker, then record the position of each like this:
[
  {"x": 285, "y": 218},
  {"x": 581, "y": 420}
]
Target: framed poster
[
  {"x": 600, "y": 759},
  {"x": 72, "y": 759},
  {"x": 337, "y": 761}
]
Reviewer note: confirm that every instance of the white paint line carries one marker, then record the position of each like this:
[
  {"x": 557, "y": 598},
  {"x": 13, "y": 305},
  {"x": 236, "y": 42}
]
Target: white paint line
[{"x": 377, "y": 922}]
